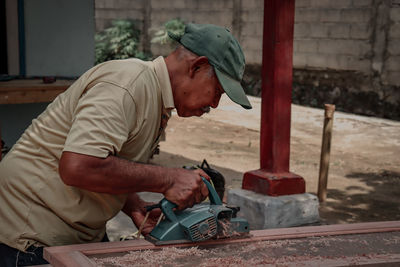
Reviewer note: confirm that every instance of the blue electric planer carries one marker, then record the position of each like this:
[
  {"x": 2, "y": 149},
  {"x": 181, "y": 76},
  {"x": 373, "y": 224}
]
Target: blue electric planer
[{"x": 201, "y": 222}]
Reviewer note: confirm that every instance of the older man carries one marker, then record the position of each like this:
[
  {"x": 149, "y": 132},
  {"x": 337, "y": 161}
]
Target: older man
[{"x": 84, "y": 158}]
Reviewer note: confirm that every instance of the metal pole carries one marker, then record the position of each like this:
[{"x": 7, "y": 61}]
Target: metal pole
[{"x": 325, "y": 152}]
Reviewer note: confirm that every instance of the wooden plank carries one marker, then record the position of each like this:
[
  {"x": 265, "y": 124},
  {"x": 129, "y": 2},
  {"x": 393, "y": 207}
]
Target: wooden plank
[
  {"x": 94, "y": 248},
  {"x": 31, "y": 91},
  {"x": 326, "y": 230},
  {"x": 384, "y": 261},
  {"x": 59, "y": 256},
  {"x": 31, "y": 96},
  {"x": 70, "y": 259}
]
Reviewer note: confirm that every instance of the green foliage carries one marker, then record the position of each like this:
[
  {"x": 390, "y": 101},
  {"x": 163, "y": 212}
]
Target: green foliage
[
  {"x": 176, "y": 26},
  {"x": 120, "y": 41}
]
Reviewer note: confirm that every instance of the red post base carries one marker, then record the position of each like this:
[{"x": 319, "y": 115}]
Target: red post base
[{"x": 273, "y": 184}]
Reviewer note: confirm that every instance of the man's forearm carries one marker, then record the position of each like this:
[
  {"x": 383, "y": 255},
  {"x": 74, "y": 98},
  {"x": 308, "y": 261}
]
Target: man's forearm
[{"x": 113, "y": 175}]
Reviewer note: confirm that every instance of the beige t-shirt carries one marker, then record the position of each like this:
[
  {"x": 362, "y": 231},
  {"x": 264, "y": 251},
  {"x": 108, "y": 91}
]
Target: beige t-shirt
[{"x": 113, "y": 109}]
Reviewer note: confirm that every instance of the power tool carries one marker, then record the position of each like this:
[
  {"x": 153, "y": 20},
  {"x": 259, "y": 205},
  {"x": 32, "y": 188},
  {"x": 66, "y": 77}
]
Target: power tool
[
  {"x": 201, "y": 222},
  {"x": 217, "y": 179}
]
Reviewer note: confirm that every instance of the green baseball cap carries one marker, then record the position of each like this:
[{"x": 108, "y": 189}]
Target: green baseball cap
[{"x": 224, "y": 54}]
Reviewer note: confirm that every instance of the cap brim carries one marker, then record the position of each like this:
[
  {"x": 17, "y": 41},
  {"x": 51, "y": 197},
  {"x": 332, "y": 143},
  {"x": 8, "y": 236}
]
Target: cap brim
[{"x": 233, "y": 89}]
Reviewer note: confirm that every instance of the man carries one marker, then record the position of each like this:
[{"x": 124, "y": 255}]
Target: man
[{"x": 84, "y": 158}]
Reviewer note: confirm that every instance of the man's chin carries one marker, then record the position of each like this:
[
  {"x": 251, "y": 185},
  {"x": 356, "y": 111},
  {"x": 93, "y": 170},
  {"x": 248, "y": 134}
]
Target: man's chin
[
  {"x": 184, "y": 114},
  {"x": 197, "y": 113}
]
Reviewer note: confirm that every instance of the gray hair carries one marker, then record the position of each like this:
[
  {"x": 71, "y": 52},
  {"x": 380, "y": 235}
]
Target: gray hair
[{"x": 184, "y": 53}]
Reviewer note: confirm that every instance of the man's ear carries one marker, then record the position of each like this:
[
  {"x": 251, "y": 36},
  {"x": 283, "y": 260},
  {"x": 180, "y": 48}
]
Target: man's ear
[{"x": 197, "y": 64}]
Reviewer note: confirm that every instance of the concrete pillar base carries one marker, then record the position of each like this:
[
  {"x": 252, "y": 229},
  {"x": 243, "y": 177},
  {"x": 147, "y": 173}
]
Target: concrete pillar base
[{"x": 262, "y": 211}]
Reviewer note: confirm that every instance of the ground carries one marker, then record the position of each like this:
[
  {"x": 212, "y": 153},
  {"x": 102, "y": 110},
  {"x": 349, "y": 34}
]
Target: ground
[{"x": 364, "y": 173}]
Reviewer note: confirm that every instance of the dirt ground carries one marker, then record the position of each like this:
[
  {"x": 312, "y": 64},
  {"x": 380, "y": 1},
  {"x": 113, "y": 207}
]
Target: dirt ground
[{"x": 364, "y": 173}]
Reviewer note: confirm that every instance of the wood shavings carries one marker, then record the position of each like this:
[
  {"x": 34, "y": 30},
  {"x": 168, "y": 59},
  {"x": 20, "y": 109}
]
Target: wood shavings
[
  {"x": 314, "y": 251},
  {"x": 165, "y": 256},
  {"x": 225, "y": 229}
]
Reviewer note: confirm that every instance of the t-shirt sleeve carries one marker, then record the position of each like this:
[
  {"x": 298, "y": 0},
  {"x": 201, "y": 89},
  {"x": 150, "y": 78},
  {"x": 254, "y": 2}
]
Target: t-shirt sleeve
[{"x": 103, "y": 118}]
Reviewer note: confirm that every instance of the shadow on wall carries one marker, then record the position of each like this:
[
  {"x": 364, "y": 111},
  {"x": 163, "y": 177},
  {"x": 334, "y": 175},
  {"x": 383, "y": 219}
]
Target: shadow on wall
[
  {"x": 350, "y": 91},
  {"x": 380, "y": 203}
]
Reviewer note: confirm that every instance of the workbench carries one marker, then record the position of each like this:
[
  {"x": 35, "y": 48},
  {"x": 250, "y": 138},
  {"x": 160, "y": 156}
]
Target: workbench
[
  {"x": 27, "y": 91},
  {"x": 22, "y": 91},
  {"x": 373, "y": 243}
]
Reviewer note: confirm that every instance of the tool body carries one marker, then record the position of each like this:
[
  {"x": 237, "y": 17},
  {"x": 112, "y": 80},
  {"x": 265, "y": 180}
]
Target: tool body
[{"x": 199, "y": 223}]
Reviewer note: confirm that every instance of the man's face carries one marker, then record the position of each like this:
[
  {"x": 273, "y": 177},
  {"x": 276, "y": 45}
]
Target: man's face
[{"x": 199, "y": 92}]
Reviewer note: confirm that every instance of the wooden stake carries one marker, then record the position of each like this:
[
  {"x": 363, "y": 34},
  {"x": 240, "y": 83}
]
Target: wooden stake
[{"x": 325, "y": 152}]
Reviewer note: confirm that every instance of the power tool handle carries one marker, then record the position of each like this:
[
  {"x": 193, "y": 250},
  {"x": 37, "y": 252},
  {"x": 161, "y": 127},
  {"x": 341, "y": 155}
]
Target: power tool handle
[
  {"x": 212, "y": 194},
  {"x": 152, "y": 207},
  {"x": 167, "y": 206}
]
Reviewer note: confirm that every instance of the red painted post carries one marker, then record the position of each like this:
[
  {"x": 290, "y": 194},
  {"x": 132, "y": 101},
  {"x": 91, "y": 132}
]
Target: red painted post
[{"x": 274, "y": 178}]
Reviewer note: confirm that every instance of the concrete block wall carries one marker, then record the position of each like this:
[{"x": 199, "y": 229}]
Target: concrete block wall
[
  {"x": 136, "y": 10},
  {"x": 206, "y": 11},
  {"x": 150, "y": 15},
  {"x": 356, "y": 35},
  {"x": 391, "y": 73},
  {"x": 107, "y": 10},
  {"x": 360, "y": 37},
  {"x": 252, "y": 16},
  {"x": 333, "y": 34}
]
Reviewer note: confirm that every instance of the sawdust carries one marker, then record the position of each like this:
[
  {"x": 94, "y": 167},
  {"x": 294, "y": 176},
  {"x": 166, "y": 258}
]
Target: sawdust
[
  {"x": 206, "y": 258},
  {"x": 225, "y": 230},
  {"x": 203, "y": 258},
  {"x": 163, "y": 257},
  {"x": 392, "y": 241},
  {"x": 315, "y": 251}
]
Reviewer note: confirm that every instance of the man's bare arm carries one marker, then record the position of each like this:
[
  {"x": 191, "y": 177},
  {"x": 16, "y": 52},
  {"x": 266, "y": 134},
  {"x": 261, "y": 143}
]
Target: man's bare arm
[{"x": 114, "y": 175}]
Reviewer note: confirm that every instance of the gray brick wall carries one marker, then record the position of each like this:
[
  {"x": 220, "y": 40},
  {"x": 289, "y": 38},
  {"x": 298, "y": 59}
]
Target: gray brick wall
[
  {"x": 333, "y": 34},
  {"x": 343, "y": 35},
  {"x": 392, "y": 70},
  {"x": 107, "y": 10},
  {"x": 252, "y": 15}
]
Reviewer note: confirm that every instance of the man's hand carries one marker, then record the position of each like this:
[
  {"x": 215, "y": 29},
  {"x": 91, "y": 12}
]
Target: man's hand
[
  {"x": 137, "y": 216},
  {"x": 187, "y": 188},
  {"x": 135, "y": 209}
]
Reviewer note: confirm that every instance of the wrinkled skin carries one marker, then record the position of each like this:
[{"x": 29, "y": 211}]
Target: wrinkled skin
[{"x": 198, "y": 90}]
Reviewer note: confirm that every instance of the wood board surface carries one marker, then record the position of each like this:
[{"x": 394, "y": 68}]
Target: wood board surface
[
  {"x": 22, "y": 91},
  {"x": 84, "y": 254}
]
